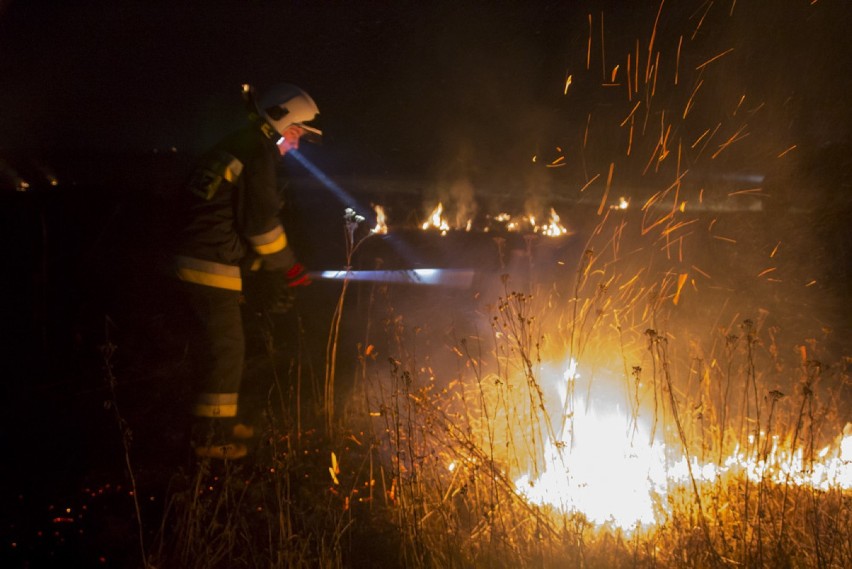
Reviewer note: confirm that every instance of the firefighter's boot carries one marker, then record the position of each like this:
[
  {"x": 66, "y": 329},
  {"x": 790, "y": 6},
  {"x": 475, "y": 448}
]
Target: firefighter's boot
[{"x": 221, "y": 439}]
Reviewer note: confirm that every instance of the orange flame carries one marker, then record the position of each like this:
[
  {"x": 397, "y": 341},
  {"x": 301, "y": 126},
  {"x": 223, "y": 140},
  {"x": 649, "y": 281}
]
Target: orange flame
[{"x": 381, "y": 227}]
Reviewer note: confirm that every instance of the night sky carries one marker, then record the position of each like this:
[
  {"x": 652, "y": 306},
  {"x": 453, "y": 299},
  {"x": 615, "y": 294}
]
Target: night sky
[
  {"x": 402, "y": 86},
  {"x": 392, "y": 79}
]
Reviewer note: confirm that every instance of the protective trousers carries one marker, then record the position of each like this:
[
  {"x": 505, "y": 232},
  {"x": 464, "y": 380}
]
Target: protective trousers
[{"x": 217, "y": 346}]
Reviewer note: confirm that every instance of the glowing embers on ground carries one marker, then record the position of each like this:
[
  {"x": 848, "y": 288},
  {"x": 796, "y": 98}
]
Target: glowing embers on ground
[{"x": 606, "y": 466}]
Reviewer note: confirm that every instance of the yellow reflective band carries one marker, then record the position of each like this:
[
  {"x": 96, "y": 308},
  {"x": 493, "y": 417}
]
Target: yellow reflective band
[
  {"x": 208, "y": 273},
  {"x": 270, "y": 242},
  {"x": 269, "y": 248},
  {"x": 209, "y": 279},
  {"x": 233, "y": 170},
  {"x": 214, "y": 411},
  {"x": 216, "y": 405}
]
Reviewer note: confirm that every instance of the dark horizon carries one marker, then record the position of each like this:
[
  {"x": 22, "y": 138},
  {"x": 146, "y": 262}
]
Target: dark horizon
[{"x": 404, "y": 87}]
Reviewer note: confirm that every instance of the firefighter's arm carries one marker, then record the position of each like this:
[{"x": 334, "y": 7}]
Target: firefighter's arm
[{"x": 262, "y": 227}]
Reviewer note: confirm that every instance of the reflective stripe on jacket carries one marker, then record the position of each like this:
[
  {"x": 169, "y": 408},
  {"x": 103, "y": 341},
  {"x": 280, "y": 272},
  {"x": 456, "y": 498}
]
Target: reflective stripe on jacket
[{"x": 230, "y": 212}]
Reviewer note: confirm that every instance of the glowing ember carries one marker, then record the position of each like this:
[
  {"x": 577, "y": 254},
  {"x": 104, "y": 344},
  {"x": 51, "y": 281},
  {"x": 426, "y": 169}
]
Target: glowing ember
[
  {"x": 381, "y": 227},
  {"x": 623, "y": 203}
]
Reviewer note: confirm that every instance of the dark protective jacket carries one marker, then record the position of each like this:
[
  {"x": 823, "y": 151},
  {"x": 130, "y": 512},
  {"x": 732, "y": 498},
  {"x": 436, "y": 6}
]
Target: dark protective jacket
[{"x": 230, "y": 212}]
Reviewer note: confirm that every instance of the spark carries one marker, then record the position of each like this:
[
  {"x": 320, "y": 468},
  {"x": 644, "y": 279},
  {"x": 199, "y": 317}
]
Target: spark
[
  {"x": 636, "y": 69},
  {"x": 653, "y": 155},
  {"x": 739, "y": 104},
  {"x": 651, "y": 42},
  {"x": 630, "y": 114},
  {"x": 606, "y": 190},
  {"x": 681, "y": 280},
  {"x": 701, "y": 21},
  {"x": 753, "y": 191},
  {"x": 568, "y": 80},
  {"x": 630, "y": 138},
  {"x": 590, "y": 182},
  {"x": 706, "y": 142},
  {"x": 629, "y": 80},
  {"x": 631, "y": 281},
  {"x": 727, "y": 239},
  {"x": 677, "y": 59},
  {"x": 775, "y": 250},
  {"x": 558, "y": 162},
  {"x": 675, "y": 227},
  {"x": 734, "y": 138},
  {"x": 788, "y": 150},
  {"x": 589, "y": 49},
  {"x": 656, "y": 69},
  {"x": 689, "y": 103},
  {"x": 766, "y": 271},
  {"x": 664, "y": 138},
  {"x": 603, "y": 48},
  {"x": 699, "y": 271},
  {"x": 703, "y": 134},
  {"x": 714, "y": 58}
]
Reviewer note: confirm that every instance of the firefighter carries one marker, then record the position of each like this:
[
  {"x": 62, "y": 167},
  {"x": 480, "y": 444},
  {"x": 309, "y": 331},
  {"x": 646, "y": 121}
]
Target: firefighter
[{"x": 229, "y": 221}]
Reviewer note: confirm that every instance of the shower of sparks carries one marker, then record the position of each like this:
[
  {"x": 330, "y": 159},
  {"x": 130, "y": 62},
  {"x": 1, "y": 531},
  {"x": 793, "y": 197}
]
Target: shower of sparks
[{"x": 608, "y": 461}]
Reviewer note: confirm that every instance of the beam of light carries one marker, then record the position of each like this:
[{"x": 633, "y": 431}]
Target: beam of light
[
  {"x": 347, "y": 198},
  {"x": 330, "y": 184},
  {"x": 453, "y": 278}
]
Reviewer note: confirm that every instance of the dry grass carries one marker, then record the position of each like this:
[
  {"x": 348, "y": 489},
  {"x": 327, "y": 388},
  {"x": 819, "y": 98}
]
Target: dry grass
[{"x": 424, "y": 465}]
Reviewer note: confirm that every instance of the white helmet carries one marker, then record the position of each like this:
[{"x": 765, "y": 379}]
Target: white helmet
[{"x": 285, "y": 105}]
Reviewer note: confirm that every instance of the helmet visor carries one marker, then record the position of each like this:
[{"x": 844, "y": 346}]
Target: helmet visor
[{"x": 312, "y": 133}]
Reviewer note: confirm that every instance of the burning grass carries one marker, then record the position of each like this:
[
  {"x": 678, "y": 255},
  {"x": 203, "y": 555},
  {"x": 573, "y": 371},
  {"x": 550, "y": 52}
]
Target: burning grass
[
  {"x": 557, "y": 429},
  {"x": 653, "y": 396}
]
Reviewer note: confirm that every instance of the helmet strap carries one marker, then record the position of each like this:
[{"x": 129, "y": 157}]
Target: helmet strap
[{"x": 266, "y": 128}]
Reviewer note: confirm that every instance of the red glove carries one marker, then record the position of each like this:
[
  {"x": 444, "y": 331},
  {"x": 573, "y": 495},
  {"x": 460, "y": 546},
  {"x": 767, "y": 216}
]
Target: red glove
[{"x": 297, "y": 276}]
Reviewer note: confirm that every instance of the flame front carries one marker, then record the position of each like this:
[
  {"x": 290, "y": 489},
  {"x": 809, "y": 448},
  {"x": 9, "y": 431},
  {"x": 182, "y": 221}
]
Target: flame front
[{"x": 611, "y": 469}]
